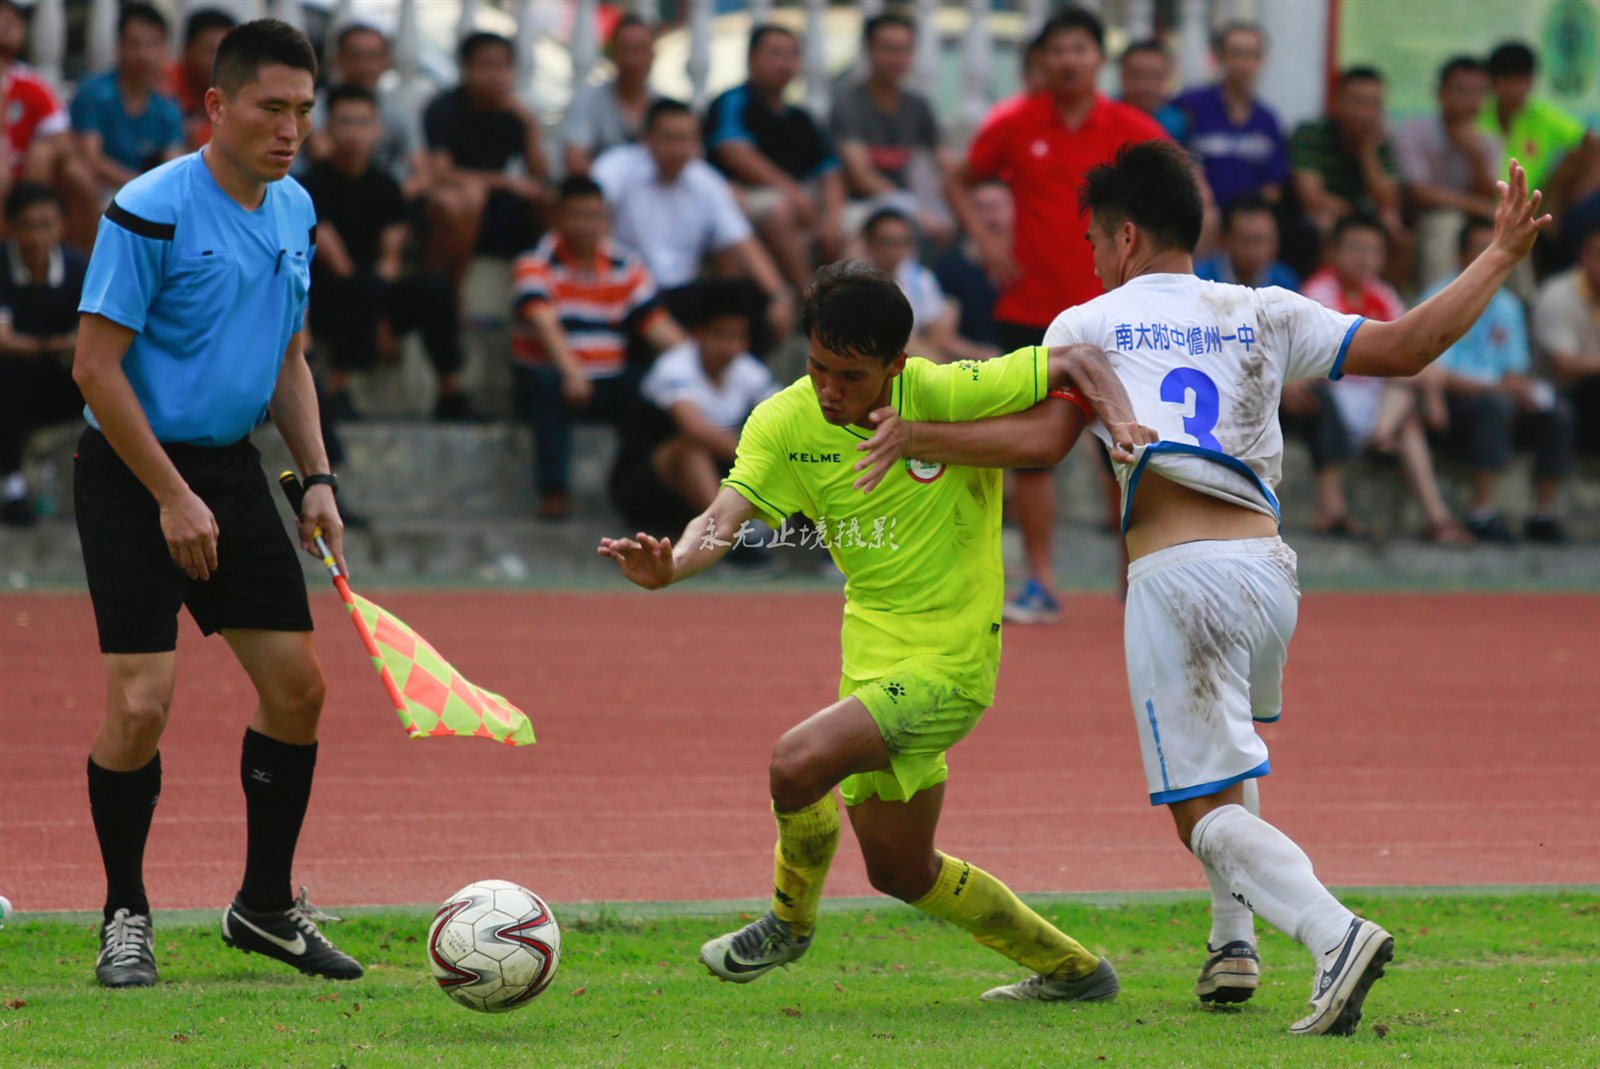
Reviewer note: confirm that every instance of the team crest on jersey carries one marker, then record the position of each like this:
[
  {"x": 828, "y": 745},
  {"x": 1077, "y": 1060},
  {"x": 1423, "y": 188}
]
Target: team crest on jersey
[{"x": 923, "y": 471}]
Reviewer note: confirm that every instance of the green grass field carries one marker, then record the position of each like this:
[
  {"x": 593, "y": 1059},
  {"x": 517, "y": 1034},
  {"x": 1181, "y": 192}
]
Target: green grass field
[{"x": 1479, "y": 980}]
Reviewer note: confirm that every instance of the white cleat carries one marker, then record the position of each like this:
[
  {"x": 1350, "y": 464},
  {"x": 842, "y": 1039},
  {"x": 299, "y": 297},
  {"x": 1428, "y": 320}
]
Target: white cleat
[
  {"x": 1344, "y": 975},
  {"x": 1232, "y": 973},
  {"x": 752, "y": 951}
]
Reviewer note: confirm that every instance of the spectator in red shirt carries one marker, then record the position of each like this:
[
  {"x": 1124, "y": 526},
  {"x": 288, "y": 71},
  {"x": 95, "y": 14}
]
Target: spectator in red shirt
[
  {"x": 1381, "y": 415},
  {"x": 1041, "y": 145},
  {"x": 36, "y": 133},
  {"x": 190, "y": 77}
]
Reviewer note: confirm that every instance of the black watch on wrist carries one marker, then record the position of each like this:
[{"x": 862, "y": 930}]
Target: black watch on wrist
[{"x": 330, "y": 480}]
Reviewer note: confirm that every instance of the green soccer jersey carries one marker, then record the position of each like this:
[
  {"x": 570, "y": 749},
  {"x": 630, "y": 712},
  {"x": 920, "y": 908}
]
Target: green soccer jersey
[{"x": 921, "y": 553}]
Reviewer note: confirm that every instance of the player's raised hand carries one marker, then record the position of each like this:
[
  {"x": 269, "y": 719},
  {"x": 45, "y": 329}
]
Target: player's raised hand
[
  {"x": 1126, "y": 438},
  {"x": 883, "y": 450},
  {"x": 643, "y": 560},
  {"x": 1517, "y": 221}
]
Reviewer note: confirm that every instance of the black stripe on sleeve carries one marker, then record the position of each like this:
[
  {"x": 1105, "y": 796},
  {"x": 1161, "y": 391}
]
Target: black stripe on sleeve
[
  {"x": 313, "y": 236},
  {"x": 749, "y": 492},
  {"x": 138, "y": 225}
]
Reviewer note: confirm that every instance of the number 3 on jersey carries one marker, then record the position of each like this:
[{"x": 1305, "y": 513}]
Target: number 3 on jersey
[{"x": 1198, "y": 421}]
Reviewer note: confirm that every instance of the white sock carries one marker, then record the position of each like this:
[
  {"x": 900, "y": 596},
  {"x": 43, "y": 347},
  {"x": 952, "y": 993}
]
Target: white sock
[
  {"x": 1272, "y": 874},
  {"x": 13, "y": 487},
  {"x": 1231, "y": 919}
]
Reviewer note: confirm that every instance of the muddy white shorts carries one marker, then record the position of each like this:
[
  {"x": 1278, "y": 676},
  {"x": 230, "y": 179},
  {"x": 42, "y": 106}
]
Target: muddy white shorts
[{"x": 1207, "y": 629}]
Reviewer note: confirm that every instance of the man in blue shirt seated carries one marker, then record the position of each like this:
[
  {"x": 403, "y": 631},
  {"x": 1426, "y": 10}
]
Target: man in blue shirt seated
[
  {"x": 40, "y": 282},
  {"x": 779, "y": 158},
  {"x": 1249, "y": 255},
  {"x": 192, "y": 334},
  {"x": 125, "y": 126},
  {"x": 1497, "y": 404}
]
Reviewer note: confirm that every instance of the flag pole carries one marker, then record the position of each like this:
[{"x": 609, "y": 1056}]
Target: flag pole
[{"x": 296, "y": 494}]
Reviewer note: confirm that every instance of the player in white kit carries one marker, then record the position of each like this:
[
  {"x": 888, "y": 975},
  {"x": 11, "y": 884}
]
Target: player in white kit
[{"x": 1212, "y": 589}]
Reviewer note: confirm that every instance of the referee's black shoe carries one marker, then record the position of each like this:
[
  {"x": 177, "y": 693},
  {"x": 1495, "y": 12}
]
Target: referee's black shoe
[
  {"x": 289, "y": 935},
  {"x": 127, "y": 951}
]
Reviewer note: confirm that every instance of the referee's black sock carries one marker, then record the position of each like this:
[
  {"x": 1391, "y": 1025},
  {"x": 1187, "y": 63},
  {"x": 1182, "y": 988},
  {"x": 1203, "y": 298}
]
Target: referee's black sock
[
  {"x": 122, "y": 804},
  {"x": 277, "y": 787}
]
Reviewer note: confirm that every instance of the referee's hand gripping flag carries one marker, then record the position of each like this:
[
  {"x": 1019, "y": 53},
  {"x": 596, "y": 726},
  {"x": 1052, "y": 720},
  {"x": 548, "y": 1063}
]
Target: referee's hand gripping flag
[{"x": 429, "y": 696}]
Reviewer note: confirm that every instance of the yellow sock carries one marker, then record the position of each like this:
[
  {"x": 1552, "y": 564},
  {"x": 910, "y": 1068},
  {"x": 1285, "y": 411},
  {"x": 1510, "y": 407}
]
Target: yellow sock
[
  {"x": 975, "y": 901},
  {"x": 807, "y": 839}
]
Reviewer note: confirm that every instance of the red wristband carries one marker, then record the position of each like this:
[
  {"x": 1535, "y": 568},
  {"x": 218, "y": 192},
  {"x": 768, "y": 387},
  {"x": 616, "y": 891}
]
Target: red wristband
[{"x": 1075, "y": 398}]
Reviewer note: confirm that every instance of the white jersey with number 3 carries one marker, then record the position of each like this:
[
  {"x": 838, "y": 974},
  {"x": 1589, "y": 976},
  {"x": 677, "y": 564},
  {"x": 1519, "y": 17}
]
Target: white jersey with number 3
[{"x": 1204, "y": 365}]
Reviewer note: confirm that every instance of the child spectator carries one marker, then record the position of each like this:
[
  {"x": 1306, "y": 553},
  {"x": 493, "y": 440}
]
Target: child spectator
[
  {"x": 1376, "y": 413},
  {"x": 612, "y": 113},
  {"x": 125, "y": 124},
  {"x": 960, "y": 272},
  {"x": 1495, "y": 404},
  {"x": 41, "y": 281},
  {"x": 1249, "y": 255},
  {"x": 884, "y": 131},
  {"x": 1236, "y": 137},
  {"x": 578, "y": 297},
  {"x": 783, "y": 163},
  {"x": 362, "y": 304},
  {"x": 693, "y": 401},
  {"x": 891, "y": 244},
  {"x": 484, "y": 155},
  {"x": 190, "y": 77}
]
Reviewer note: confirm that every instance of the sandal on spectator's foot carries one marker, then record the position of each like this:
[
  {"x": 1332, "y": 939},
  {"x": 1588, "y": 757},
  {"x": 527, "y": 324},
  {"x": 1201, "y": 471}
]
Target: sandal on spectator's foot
[
  {"x": 1341, "y": 527},
  {"x": 1449, "y": 533},
  {"x": 555, "y": 505}
]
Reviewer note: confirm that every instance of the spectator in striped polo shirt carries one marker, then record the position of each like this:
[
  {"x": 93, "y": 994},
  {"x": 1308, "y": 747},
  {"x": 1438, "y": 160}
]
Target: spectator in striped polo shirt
[{"x": 579, "y": 300}]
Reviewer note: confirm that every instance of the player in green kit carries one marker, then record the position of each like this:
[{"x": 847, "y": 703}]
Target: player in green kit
[{"x": 921, "y": 635}]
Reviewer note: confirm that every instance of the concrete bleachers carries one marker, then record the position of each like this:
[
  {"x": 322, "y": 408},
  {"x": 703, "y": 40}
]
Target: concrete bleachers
[{"x": 453, "y": 503}]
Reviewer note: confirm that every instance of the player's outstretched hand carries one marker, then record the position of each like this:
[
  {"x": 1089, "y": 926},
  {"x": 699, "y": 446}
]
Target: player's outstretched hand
[
  {"x": 1517, "y": 221},
  {"x": 191, "y": 533},
  {"x": 1126, "y": 438},
  {"x": 319, "y": 514},
  {"x": 643, "y": 560},
  {"x": 883, "y": 450}
]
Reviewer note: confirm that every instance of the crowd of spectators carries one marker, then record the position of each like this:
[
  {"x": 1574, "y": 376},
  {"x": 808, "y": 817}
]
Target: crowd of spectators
[{"x": 655, "y": 255}]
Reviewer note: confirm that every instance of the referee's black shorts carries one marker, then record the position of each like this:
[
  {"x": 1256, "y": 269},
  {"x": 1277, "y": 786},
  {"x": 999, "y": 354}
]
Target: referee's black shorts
[{"x": 135, "y": 584}]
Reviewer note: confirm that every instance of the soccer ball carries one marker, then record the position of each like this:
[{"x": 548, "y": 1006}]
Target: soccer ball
[{"x": 494, "y": 946}]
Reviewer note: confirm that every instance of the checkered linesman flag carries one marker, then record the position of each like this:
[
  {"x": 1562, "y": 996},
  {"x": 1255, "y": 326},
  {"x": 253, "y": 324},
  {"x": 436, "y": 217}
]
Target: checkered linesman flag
[{"x": 430, "y": 697}]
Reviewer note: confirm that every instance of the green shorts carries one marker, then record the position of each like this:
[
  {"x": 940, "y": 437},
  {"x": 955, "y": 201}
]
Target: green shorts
[{"x": 921, "y": 713}]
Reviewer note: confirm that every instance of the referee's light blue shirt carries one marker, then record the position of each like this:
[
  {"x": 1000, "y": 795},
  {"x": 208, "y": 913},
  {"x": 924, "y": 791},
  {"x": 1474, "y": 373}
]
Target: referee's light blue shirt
[{"x": 212, "y": 292}]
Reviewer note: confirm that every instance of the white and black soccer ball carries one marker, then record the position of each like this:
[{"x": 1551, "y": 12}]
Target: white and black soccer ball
[{"x": 494, "y": 946}]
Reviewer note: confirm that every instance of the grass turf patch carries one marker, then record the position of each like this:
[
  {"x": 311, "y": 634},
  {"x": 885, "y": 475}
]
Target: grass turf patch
[{"x": 1502, "y": 980}]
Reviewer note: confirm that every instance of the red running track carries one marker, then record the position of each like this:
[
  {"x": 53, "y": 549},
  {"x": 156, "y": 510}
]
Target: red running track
[{"x": 1427, "y": 739}]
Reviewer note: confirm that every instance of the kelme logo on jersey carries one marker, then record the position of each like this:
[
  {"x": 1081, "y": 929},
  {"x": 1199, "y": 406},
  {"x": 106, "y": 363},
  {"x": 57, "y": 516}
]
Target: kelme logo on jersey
[{"x": 923, "y": 471}]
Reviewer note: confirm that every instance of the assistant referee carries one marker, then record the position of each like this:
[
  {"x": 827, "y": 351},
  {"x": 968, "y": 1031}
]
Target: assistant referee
[{"x": 191, "y": 335}]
